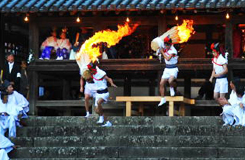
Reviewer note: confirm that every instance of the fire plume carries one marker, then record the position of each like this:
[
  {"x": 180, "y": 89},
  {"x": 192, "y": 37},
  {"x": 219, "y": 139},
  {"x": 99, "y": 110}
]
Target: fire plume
[
  {"x": 178, "y": 34},
  {"x": 185, "y": 30},
  {"x": 108, "y": 36}
]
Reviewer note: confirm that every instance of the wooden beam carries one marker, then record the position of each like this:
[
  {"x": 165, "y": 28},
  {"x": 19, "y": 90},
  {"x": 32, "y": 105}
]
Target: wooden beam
[{"x": 189, "y": 101}]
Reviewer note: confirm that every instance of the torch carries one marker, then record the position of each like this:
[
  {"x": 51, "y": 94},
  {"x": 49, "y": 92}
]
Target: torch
[{"x": 178, "y": 34}]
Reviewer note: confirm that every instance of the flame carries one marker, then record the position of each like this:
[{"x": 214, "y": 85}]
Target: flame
[
  {"x": 185, "y": 30},
  {"x": 110, "y": 37}
]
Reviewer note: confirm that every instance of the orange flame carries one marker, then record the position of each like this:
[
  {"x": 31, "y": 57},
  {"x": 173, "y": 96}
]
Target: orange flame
[
  {"x": 110, "y": 37},
  {"x": 185, "y": 30}
]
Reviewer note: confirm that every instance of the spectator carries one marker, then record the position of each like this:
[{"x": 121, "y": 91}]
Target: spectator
[
  {"x": 11, "y": 72},
  {"x": 24, "y": 85},
  {"x": 13, "y": 107}
]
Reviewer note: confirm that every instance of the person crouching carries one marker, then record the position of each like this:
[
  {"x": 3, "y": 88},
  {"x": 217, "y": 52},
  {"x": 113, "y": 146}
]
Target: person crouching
[{"x": 100, "y": 79}]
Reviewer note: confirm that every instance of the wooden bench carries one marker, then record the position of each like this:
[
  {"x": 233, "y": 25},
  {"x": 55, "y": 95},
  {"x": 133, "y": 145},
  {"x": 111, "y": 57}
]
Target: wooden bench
[{"x": 171, "y": 100}]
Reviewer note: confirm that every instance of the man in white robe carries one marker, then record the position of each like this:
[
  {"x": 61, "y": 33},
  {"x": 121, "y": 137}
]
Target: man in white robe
[
  {"x": 238, "y": 111},
  {"x": 231, "y": 104},
  {"x": 5, "y": 147},
  {"x": 13, "y": 106}
]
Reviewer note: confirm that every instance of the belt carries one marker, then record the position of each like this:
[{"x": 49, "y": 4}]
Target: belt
[
  {"x": 102, "y": 91},
  {"x": 92, "y": 82},
  {"x": 223, "y": 76},
  {"x": 171, "y": 66}
]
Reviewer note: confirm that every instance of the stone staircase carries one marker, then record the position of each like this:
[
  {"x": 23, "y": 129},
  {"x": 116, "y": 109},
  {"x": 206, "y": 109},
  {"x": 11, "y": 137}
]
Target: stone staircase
[{"x": 77, "y": 138}]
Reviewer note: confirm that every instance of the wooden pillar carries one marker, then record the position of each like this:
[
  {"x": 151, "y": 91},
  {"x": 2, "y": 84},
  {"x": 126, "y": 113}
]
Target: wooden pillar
[
  {"x": 33, "y": 92},
  {"x": 127, "y": 86},
  {"x": 2, "y": 56},
  {"x": 34, "y": 38},
  {"x": 159, "y": 77},
  {"x": 171, "y": 109},
  {"x": 128, "y": 109},
  {"x": 229, "y": 44},
  {"x": 152, "y": 86},
  {"x": 97, "y": 26},
  {"x": 229, "y": 37},
  {"x": 187, "y": 87},
  {"x": 162, "y": 25},
  {"x": 66, "y": 89}
]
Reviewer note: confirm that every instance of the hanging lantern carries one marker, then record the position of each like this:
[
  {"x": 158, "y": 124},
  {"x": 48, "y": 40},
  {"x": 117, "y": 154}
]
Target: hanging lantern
[
  {"x": 78, "y": 20},
  {"x": 26, "y": 19},
  {"x": 176, "y": 18},
  {"x": 227, "y": 16}
]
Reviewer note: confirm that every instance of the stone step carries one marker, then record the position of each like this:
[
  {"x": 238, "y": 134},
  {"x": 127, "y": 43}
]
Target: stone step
[
  {"x": 134, "y": 120},
  {"x": 178, "y": 130},
  {"x": 127, "y": 152},
  {"x": 132, "y": 141}
]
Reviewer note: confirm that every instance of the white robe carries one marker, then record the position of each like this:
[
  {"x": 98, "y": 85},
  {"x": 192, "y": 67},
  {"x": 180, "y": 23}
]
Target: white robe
[
  {"x": 17, "y": 104},
  {"x": 228, "y": 110},
  {"x": 5, "y": 147},
  {"x": 239, "y": 112},
  {"x": 51, "y": 42},
  {"x": 64, "y": 43}
]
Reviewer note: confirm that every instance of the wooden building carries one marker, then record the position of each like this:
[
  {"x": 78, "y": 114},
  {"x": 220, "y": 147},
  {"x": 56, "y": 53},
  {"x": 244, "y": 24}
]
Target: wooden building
[{"x": 136, "y": 69}]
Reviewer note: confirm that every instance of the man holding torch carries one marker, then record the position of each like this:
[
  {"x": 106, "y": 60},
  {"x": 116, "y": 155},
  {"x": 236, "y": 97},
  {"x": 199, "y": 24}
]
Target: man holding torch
[{"x": 171, "y": 71}]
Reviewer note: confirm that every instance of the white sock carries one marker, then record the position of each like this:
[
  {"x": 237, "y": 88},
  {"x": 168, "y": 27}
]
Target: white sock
[
  {"x": 101, "y": 118},
  {"x": 172, "y": 92}
]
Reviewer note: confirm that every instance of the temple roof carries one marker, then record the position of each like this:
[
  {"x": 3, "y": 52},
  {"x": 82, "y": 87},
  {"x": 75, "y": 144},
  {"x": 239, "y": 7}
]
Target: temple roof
[{"x": 110, "y": 5}]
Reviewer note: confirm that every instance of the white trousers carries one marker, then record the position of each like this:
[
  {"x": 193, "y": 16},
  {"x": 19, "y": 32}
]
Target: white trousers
[
  {"x": 228, "y": 114},
  {"x": 3, "y": 155},
  {"x": 239, "y": 115},
  {"x": 8, "y": 122}
]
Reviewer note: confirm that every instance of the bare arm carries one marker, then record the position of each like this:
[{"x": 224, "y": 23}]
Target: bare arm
[
  {"x": 81, "y": 84},
  {"x": 222, "y": 73},
  {"x": 212, "y": 76},
  {"x": 110, "y": 81},
  {"x": 223, "y": 101}
]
